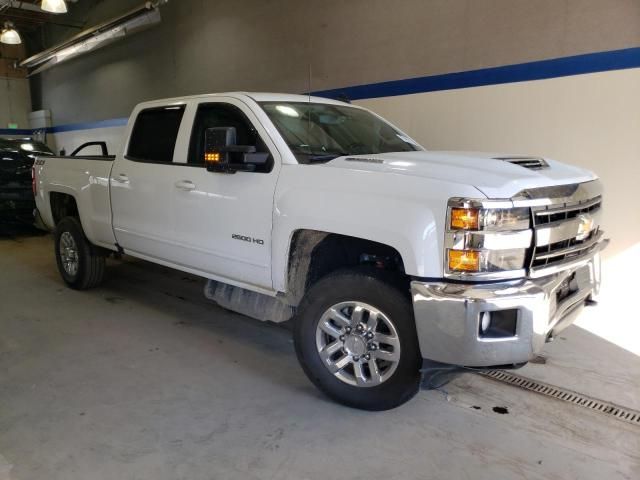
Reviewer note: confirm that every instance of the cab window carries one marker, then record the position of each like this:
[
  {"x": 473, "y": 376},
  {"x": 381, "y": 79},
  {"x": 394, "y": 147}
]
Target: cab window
[
  {"x": 225, "y": 115},
  {"x": 154, "y": 134}
]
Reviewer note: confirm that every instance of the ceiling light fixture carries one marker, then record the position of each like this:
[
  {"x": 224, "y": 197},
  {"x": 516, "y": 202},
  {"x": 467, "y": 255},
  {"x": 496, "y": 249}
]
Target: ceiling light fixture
[
  {"x": 131, "y": 22},
  {"x": 54, "y": 6},
  {"x": 10, "y": 35}
]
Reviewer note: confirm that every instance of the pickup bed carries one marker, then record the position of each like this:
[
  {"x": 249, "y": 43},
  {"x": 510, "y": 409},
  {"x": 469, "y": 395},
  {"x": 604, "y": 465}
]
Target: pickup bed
[{"x": 391, "y": 259}]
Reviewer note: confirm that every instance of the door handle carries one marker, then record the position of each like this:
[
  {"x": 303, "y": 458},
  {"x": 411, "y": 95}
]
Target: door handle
[
  {"x": 121, "y": 178},
  {"x": 186, "y": 185}
]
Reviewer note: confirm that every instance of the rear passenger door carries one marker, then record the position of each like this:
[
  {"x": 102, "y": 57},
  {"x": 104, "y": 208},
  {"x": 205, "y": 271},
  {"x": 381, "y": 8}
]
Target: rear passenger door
[
  {"x": 142, "y": 184},
  {"x": 223, "y": 221}
]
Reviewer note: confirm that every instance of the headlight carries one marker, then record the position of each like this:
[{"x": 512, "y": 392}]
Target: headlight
[
  {"x": 461, "y": 218},
  {"x": 486, "y": 240}
]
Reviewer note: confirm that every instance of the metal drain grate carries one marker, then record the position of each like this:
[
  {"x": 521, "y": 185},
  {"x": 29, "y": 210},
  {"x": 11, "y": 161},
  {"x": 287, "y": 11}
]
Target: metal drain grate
[{"x": 621, "y": 413}]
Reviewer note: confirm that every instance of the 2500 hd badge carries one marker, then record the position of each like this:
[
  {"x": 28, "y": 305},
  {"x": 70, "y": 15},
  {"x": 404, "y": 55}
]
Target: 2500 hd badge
[{"x": 244, "y": 238}]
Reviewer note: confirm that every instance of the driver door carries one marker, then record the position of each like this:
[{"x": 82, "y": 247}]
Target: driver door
[{"x": 223, "y": 221}]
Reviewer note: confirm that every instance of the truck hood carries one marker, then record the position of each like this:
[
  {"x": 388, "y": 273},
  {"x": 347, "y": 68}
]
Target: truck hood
[{"x": 490, "y": 173}]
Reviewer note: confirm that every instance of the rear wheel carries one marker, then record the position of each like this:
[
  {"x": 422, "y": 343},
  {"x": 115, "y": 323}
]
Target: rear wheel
[
  {"x": 356, "y": 341},
  {"x": 80, "y": 263}
]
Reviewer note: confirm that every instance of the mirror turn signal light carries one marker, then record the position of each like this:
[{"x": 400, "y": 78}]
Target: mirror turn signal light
[
  {"x": 211, "y": 157},
  {"x": 465, "y": 218},
  {"x": 464, "y": 261}
]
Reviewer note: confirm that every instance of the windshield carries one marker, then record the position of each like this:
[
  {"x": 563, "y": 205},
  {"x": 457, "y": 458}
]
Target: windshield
[{"x": 317, "y": 132}]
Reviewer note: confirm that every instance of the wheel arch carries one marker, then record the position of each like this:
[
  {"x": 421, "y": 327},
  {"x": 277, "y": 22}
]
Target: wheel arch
[
  {"x": 62, "y": 201},
  {"x": 313, "y": 254},
  {"x": 62, "y": 204}
]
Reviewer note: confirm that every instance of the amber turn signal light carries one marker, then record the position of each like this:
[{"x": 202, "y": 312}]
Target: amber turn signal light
[
  {"x": 464, "y": 261},
  {"x": 464, "y": 218},
  {"x": 212, "y": 157}
]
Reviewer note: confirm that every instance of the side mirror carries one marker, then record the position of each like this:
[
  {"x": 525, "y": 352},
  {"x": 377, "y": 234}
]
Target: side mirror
[{"x": 219, "y": 148}]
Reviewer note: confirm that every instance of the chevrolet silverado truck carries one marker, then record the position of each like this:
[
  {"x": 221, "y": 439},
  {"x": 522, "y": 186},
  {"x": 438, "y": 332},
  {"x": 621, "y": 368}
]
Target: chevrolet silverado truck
[{"x": 384, "y": 254}]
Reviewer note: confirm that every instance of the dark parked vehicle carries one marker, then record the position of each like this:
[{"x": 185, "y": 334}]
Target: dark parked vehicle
[{"x": 16, "y": 195}]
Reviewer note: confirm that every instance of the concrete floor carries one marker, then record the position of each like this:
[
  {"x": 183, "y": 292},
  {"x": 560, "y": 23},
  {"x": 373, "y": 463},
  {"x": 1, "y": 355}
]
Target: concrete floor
[{"x": 144, "y": 379}]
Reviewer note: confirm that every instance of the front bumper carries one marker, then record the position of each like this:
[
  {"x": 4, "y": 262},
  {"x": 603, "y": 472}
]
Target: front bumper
[{"x": 448, "y": 315}]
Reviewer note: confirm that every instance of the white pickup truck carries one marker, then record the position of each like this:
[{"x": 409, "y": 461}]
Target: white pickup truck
[{"x": 384, "y": 253}]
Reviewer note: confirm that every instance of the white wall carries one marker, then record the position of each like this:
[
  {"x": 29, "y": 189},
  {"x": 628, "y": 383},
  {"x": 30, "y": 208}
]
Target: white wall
[
  {"x": 15, "y": 102},
  {"x": 589, "y": 120},
  {"x": 69, "y": 141}
]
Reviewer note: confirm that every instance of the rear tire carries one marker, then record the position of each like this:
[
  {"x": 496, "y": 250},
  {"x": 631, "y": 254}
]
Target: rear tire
[
  {"x": 80, "y": 263},
  {"x": 356, "y": 340}
]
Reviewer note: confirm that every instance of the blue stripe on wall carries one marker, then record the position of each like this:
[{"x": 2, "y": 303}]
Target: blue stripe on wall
[
  {"x": 113, "y": 122},
  {"x": 522, "y": 72},
  {"x": 15, "y": 131}
]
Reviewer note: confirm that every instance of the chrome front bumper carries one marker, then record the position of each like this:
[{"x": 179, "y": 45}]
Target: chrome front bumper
[{"x": 448, "y": 314}]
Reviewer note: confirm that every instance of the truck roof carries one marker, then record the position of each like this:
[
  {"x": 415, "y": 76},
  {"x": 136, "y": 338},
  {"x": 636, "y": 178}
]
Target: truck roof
[{"x": 256, "y": 96}]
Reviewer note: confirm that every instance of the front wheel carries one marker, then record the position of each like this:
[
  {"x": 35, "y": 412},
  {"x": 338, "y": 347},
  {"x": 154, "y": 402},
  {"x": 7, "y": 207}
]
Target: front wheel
[{"x": 356, "y": 340}]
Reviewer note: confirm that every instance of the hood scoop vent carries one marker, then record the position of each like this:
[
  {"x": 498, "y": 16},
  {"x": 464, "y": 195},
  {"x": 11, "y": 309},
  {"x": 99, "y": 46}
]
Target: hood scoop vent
[
  {"x": 365, "y": 160},
  {"x": 532, "y": 163}
]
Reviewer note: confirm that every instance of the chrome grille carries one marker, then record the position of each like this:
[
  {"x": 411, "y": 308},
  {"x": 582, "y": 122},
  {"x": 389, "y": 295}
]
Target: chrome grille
[
  {"x": 563, "y": 250},
  {"x": 563, "y": 233},
  {"x": 542, "y": 217}
]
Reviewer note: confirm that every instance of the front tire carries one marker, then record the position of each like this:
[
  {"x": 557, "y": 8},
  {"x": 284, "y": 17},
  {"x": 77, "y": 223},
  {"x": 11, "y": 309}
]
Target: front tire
[
  {"x": 80, "y": 263},
  {"x": 356, "y": 340}
]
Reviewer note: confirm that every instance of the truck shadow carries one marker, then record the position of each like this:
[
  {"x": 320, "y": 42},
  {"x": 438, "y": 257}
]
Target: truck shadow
[
  {"x": 265, "y": 348},
  {"x": 160, "y": 298},
  {"x": 601, "y": 368}
]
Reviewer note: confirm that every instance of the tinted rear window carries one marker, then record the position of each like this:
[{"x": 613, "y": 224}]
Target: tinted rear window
[{"x": 154, "y": 134}]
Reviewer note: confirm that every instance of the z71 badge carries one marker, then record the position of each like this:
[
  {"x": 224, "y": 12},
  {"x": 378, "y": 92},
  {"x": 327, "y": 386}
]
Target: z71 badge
[{"x": 244, "y": 238}]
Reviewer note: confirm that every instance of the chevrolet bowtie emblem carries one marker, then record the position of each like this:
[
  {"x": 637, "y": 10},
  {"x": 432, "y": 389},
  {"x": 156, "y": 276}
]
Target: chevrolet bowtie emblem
[{"x": 585, "y": 225}]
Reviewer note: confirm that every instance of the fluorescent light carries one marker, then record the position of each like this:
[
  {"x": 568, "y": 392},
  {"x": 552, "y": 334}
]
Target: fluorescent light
[
  {"x": 95, "y": 37},
  {"x": 10, "y": 35},
  {"x": 54, "y": 6}
]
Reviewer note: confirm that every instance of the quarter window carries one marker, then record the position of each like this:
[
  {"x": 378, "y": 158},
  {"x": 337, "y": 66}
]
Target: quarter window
[{"x": 154, "y": 134}]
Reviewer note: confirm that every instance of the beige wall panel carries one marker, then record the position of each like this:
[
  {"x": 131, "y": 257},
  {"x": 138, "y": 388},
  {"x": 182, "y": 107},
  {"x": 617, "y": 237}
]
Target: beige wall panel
[
  {"x": 594, "y": 23},
  {"x": 588, "y": 120},
  {"x": 15, "y": 102},
  {"x": 268, "y": 45}
]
